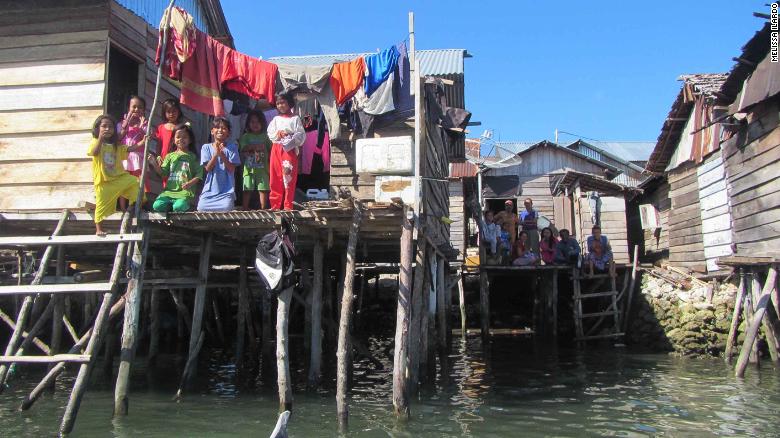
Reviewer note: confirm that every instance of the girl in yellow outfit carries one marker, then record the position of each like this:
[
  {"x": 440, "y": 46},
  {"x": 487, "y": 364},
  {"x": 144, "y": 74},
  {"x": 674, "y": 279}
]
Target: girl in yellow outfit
[{"x": 111, "y": 179}]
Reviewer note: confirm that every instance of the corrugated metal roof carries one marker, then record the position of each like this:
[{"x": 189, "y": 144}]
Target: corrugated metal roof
[
  {"x": 625, "y": 150},
  {"x": 152, "y": 10},
  {"x": 432, "y": 62}
]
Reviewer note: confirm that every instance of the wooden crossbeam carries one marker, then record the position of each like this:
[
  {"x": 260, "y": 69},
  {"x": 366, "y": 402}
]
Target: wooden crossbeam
[
  {"x": 599, "y": 294},
  {"x": 590, "y": 315},
  {"x": 54, "y": 288},
  {"x": 86, "y": 239},
  {"x": 73, "y": 358},
  {"x": 605, "y": 335}
]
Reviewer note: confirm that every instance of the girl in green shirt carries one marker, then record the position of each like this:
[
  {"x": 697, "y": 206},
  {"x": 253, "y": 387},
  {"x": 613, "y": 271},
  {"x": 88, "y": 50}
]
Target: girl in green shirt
[
  {"x": 254, "y": 146},
  {"x": 183, "y": 171}
]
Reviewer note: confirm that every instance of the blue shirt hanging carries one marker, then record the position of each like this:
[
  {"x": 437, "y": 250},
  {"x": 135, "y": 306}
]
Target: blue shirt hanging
[{"x": 379, "y": 66}]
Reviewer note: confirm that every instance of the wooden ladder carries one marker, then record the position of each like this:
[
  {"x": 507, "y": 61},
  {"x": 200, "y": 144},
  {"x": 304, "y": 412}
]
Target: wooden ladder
[
  {"x": 83, "y": 352},
  {"x": 586, "y": 332}
]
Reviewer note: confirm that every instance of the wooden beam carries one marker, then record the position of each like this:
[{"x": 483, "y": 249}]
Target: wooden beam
[
  {"x": 200, "y": 301},
  {"x": 283, "y": 377},
  {"x": 89, "y": 239},
  {"x": 403, "y": 313},
  {"x": 755, "y": 323},
  {"x": 71, "y": 358},
  {"x": 55, "y": 288}
]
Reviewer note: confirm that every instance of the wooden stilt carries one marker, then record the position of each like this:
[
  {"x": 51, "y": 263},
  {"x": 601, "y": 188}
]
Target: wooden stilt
[
  {"x": 755, "y": 322},
  {"x": 441, "y": 306},
  {"x": 191, "y": 360},
  {"x": 95, "y": 339},
  {"x": 305, "y": 287},
  {"x": 462, "y": 303},
  {"x": 484, "y": 302},
  {"x": 554, "y": 303},
  {"x": 769, "y": 334},
  {"x": 59, "y": 305},
  {"x": 200, "y": 301},
  {"x": 131, "y": 323},
  {"x": 733, "y": 329},
  {"x": 748, "y": 315},
  {"x": 315, "y": 358},
  {"x": 267, "y": 338},
  {"x": 344, "y": 351},
  {"x": 419, "y": 295},
  {"x": 282, "y": 356},
  {"x": 217, "y": 316},
  {"x": 243, "y": 308},
  {"x": 26, "y": 306},
  {"x": 154, "y": 327},
  {"x": 428, "y": 324},
  {"x": 402, "y": 316},
  {"x": 37, "y": 342}
]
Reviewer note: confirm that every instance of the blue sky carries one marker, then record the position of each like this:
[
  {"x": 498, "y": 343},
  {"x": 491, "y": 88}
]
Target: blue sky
[{"x": 605, "y": 70}]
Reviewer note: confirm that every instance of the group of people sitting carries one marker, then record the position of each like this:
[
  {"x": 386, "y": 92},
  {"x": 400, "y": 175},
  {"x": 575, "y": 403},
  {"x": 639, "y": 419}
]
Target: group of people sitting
[{"x": 515, "y": 239}]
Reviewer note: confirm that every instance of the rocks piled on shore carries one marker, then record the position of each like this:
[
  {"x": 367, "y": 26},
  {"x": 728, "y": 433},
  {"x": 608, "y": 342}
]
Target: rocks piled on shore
[{"x": 668, "y": 318}]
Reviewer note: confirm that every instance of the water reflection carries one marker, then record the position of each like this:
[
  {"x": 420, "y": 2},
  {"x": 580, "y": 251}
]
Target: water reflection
[{"x": 514, "y": 388}]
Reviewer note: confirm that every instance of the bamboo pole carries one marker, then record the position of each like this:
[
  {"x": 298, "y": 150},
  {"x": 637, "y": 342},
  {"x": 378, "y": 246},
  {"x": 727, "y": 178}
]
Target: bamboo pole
[
  {"x": 95, "y": 338},
  {"x": 26, "y": 307},
  {"x": 131, "y": 322},
  {"x": 462, "y": 303},
  {"x": 315, "y": 358},
  {"x": 200, "y": 302},
  {"x": 403, "y": 312},
  {"x": 344, "y": 351},
  {"x": 755, "y": 323},
  {"x": 282, "y": 356},
  {"x": 734, "y": 328}
]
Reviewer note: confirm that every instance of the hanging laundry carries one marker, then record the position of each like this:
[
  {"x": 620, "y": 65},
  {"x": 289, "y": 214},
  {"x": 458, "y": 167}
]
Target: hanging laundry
[
  {"x": 214, "y": 65},
  {"x": 181, "y": 41},
  {"x": 316, "y": 80},
  {"x": 379, "y": 67},
  {"x": 381, "y": 101},
  {"x": 346, "y": 78},
  {"x": 404, "y": 102},
  {"x": 311, "y": 148}
]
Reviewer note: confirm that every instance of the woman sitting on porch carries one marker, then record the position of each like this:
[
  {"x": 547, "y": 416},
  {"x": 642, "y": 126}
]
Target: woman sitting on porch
[{"x": 524, "y": 255}]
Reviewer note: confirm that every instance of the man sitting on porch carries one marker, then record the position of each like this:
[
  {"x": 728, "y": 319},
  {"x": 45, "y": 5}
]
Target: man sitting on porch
[
  {"x": 604, "y": 250},
  {"x": 567, "y": 250}
]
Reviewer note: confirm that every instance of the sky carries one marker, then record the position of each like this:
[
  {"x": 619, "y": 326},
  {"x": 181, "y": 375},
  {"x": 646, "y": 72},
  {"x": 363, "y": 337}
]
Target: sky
[{"x": 604, "y": 70}]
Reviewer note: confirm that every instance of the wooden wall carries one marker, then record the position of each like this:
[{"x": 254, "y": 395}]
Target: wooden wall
[
  {"x": 544, "y": 160},
  {"x": 715, "y": 210},
  {"x": 656, "y": 241},
  {"x": 52, "y": 69},
  {"x": 613, "y": 224},
  {"x": 343, "y": 174},
  {"x": 537, "y": 187},
  {"x": 752, "y": 165},
  {"x": 458, "y": 216},
  {"x": 686, "y": 247}
]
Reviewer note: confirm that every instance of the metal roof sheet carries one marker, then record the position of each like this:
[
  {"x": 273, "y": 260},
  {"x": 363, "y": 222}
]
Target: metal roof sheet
[{"x": 434, "y": 62}]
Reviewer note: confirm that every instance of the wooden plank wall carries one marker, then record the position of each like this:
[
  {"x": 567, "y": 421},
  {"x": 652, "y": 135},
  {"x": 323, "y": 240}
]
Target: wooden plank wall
[
  {"x": 52, "y": 71},
  {"x": 458, "y": 216},
  {"x": 715, "y": 210},
  {"x": 613, "y": 225},
  {"x": 537, "y": 187},
  {"x": 752, "y": 166},
  {"x": 343, "y": 173},
  {"x": 657, "y": 240},
  {"x": 686, "y": 247}
]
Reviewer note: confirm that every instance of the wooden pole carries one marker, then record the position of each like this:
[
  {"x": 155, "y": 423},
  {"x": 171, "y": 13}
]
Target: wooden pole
[
  {"x": 131, "y": 322},
  {"x": 95, "y": 338},
  {"x": 415, "y": 334},
  {"x": 441, "y": 306},
  {"x": 26, "y": 307},
  {"x": 755, "y": 322},
  {"x": 403, "y": 312},
  {"x": 484, "y": 297},
  {"x": 748, "y": 309},
  {"x": 243, "y": 308},
  {"x": 630, "y": 290},
  {"x": 462, "y": 303},
  {"x": 769, "y": 334},
  {"x": 200, "y": 301},
  {"x": 37, "y": 342},
  {"x": 59, "y": 305},
  {"x": 344, "y": 351},
  {"x": 554, "y": 303},
  {"x": 315, "y": 358},
  {"x": 282, "y": 357},
  {"x": 266, "y": 338},
  {"x": 734, "y": 328},
  {"x": 428, "y": 323},
  {"x": 154, "y": 322}
]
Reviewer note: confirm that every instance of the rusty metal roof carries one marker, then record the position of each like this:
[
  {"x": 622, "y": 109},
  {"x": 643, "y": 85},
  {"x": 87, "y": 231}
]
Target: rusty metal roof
[{"x": 752, "y": 53}]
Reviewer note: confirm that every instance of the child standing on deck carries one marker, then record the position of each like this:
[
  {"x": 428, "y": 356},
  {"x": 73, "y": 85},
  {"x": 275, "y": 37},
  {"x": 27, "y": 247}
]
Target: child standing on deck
[
  {"x": 286, "y": 132},
  {"x": 183, "y": 173},
  {"x": 255, "y": 147},
  {"x": 171, "y": 113},
  {"x": 112, "y": 182},
  {"x": 219, "y": 159},
  {"x": 132, "y": 133}
]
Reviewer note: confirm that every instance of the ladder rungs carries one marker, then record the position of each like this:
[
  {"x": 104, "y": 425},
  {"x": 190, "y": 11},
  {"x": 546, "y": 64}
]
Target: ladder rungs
[
  {"x": 590, "y": 315},
  {"x": 83, "y": 239},
  {"x": 599, "y": 294},
  {"x": 75, "y": 358},
  {"x": 55, "y": 288},
  {"x": 606, "y": 335}
]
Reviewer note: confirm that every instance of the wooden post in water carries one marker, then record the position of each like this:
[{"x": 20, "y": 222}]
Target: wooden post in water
[
  {"x": 748, "y": 312},
  {"x": 266, "y": 349},
  {"x": 755, "y": 322},
  {"x": 403, "y": 312},
  {"x": 462, "y": 303},
  {"x": 734, "y": 328},
  {"x": 769, "y": 334},
  {"x": 26, "y": 307},
  {"x": 130, "y": 327},
  {"x": 243, "y": 308},
  {"x": 282, "y": 356},
  {"x": 59, "y": 306},
  {"x": 200, "y": 302},
  {"x": 441, "y": 305},
  {"x": 484, "y": 296},
  {"x": 315, "y": 358},
  {"x": 418, "y": 312},
  {"x": 344, "y": 351}
]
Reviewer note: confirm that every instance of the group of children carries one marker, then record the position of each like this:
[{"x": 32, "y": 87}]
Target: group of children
[
  {"x": 268, "y": 151},
  {"x": 505, "y": 245}
]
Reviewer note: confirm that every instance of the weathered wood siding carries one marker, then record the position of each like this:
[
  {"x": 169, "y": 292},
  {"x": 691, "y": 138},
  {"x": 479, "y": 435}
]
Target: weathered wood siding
[
  {"x": 656, "y": 240},
  {"x": 715, "y": 210},
  {"x": 52, "y": 87},
  {"x": 537, "y": 187},
  {"x": 752, "y": 166},
  {"x": 458, "y": 217},
  {"x": 544, "y": 160},
  {"x": 613, "y": 225},
  {"x": 686, "y": 247},
  {"x": 343, "y": 173}
]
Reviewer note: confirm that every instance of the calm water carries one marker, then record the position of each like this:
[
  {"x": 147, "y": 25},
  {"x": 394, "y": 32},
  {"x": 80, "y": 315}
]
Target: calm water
[{"x": 509, "y": 391}]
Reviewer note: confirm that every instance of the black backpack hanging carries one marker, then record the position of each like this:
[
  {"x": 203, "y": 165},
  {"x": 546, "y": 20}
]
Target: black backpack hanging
[{"x": 274, "y": 260}]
